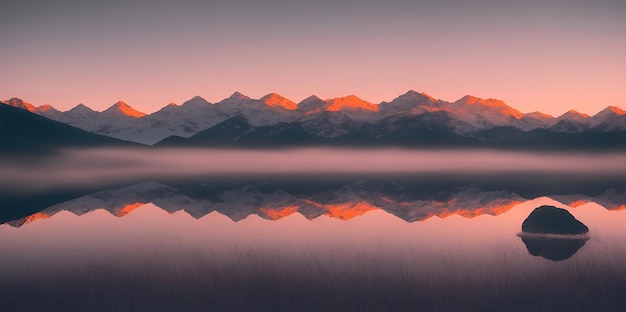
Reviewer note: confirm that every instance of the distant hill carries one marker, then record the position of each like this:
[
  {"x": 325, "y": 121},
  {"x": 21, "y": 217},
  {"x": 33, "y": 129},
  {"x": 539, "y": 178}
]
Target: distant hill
[{"x": 23, "y": 131}]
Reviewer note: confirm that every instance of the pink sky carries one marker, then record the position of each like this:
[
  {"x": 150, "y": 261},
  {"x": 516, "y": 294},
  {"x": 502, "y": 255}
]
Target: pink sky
[{"x": 548, "y": 56}]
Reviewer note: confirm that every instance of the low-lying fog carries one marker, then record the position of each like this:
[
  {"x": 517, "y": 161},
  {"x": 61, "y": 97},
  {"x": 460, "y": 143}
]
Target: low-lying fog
[{"x": 71, "y": 167}]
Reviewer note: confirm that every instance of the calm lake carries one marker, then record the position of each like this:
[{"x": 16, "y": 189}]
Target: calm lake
[{"x": 308, "y": 230}]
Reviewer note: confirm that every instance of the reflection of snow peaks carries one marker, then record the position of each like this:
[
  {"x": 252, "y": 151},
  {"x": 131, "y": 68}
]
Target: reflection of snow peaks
[
  {"x": 275, "y": 100},
  {"x": 611, "y": 199},
  {"x": 270, "y": 202}
]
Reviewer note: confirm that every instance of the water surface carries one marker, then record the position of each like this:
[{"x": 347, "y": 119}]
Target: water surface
[{"x": 442, "y": 240}]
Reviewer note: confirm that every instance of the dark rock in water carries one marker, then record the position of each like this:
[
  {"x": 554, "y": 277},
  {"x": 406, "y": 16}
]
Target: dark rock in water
[
  {"x": 552, "y": 220},
  {"x": 555, "y": 249}
]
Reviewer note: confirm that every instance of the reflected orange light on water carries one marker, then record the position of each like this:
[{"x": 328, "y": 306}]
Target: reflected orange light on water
[
  {"x": 348, "y": 210},
  {"x": 474, "y": 212},
  {"x": 126, "y": 209},
  {"x": 278, "y": 213},
  {"x": 34, "y": 217}
]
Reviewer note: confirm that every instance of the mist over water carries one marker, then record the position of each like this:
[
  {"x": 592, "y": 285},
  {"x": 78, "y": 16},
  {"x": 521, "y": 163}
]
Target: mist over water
[
  {"x": 307, "y": 230},
  {"x": 97, "y": 166}
]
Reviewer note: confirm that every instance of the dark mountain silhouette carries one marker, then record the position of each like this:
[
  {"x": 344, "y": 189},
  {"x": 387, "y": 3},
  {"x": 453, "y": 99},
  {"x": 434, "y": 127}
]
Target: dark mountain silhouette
[{"x": 23, "y": 131}]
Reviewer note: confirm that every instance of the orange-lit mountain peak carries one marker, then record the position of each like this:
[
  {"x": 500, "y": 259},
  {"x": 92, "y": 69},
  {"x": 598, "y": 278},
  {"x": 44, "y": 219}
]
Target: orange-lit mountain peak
[
  {"x": 46, "y": 108},
  {"x": 413, "y": 93},
  {"x": 278, "y": 213},
  {"x": 348, "y": 210},
  {"x": 490, "y": 103},
  {"x": 426, "y": 95},
  {"x": 572, "y": 112},
  {"x": 124, "y": 210},
  {"x": 350, "y": 102},
  {"x": 125, "y": 109},
  {"x": 16, "y": 102},
  {"x": 172, "y": 104},
  {"x": 472, "y": 100},
  {"x": 539, "y": 115},
  {"x": 615, "y": 110},
  {"x": 276, "y": 100}
]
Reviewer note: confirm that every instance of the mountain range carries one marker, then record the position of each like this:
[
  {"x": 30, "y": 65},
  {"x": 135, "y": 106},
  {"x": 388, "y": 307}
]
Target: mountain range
[{"x": 411, "y": 119}]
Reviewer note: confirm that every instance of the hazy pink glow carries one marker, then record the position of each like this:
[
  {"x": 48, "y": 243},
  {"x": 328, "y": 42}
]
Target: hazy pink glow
[
  {"x": 80, "y": 167},
  {"x": 548, "y": 56}
]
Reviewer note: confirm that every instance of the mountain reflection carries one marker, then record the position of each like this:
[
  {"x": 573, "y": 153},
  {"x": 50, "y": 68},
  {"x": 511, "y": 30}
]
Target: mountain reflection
[{"x": 276, "y": 200}]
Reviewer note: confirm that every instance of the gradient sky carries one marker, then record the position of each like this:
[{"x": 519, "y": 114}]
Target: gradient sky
[{"x": 546, "y": 55}]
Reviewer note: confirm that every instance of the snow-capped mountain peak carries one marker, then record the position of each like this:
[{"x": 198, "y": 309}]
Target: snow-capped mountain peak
[
  {"x": 612, "y": 110},
  {"x": 411, "y": 102},
  {"x": 196, "y": 100},
  {"x": 238, "y": 96},
  {"x": 276, "y": 100},
  {"x": 46, "y": 108},
  {"x": 311, "y": 105},
  {"x": 16, "y": 102},
  {"x": 49, "y": 111},
  {"x": 79, "y": 113},
  {"x": 415, "y": 96},
  {"x": 124, "y": 109},
  {"x": 572, "y": 114},
  {"x": 610, "y": 119},
  {"x": 312, "y": 98},
  {"x": 483, "y": 114},
  {"x": 81, "y": 108},
  {"x": 421, "y": 94},
  {"x": 350, "y": 102},
  {"x": 494, "y": 104}
]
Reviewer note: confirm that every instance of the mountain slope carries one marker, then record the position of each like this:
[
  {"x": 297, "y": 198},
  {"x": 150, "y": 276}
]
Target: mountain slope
[{"x": 23, "y": 131}]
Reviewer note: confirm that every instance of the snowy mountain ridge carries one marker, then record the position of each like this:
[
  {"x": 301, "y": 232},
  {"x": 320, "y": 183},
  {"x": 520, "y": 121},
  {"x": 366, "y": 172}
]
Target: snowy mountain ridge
[{"x": 326, "y": 118}]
